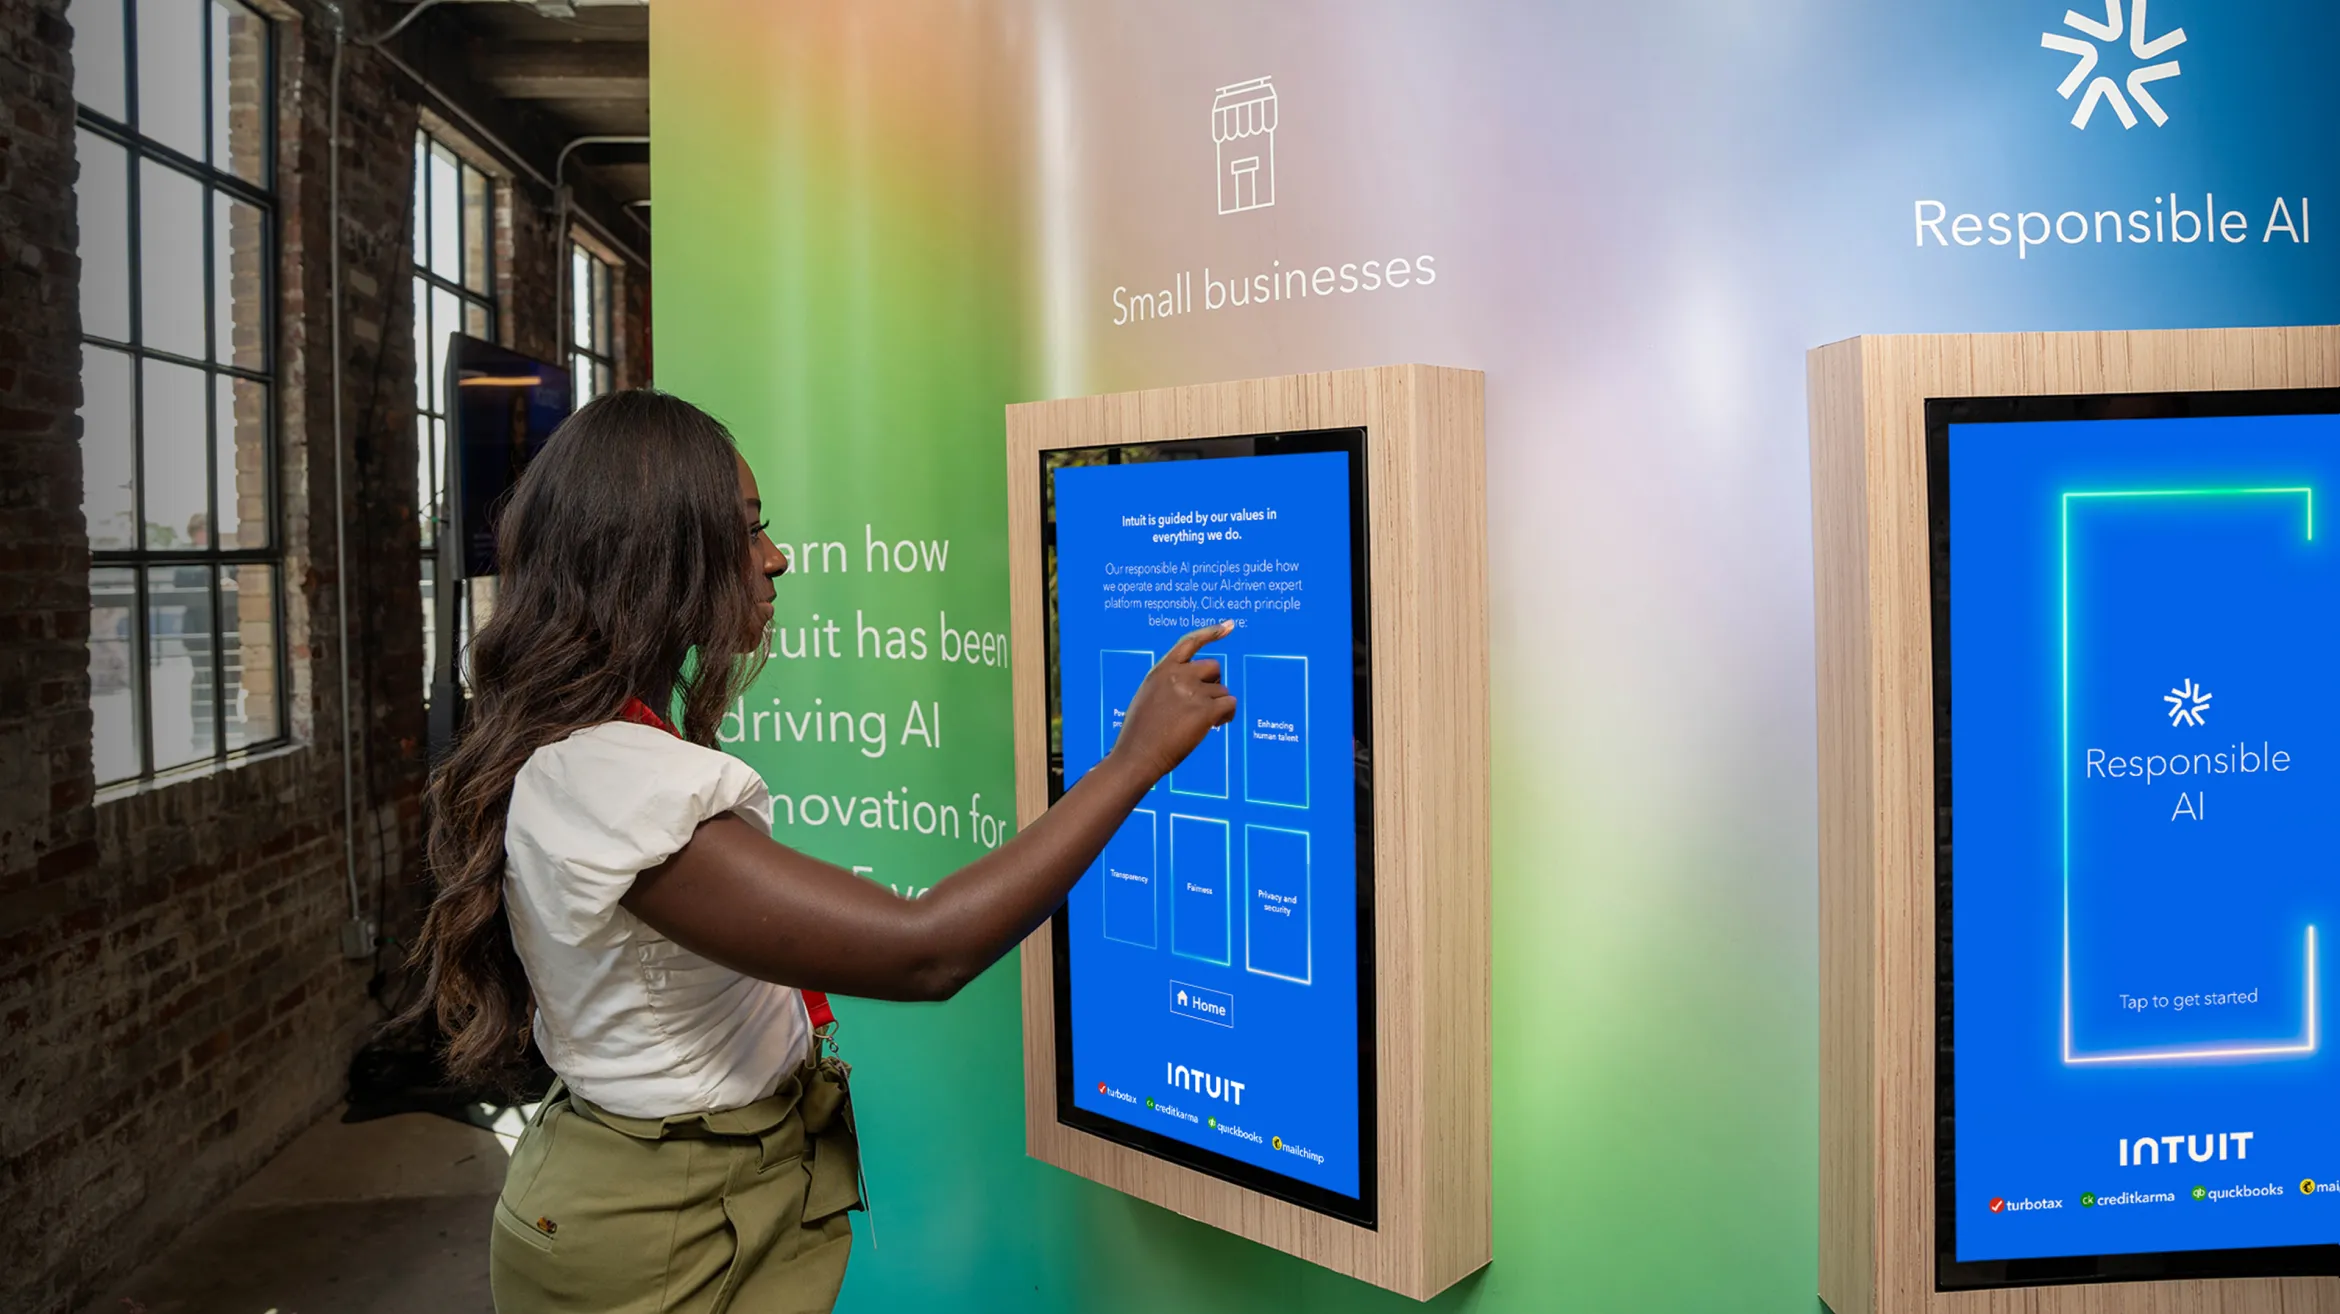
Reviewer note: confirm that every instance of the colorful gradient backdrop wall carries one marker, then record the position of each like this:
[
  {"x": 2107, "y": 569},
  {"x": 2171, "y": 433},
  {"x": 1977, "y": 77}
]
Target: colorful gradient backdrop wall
[{"x": 878, "y": 223}]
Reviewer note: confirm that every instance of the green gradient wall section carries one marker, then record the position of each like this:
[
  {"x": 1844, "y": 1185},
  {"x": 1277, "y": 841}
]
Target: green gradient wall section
[
  {"x": 835, "y": 280},
  {"x": 850, "y": 270},
  {"x": 860, "y": 350}
]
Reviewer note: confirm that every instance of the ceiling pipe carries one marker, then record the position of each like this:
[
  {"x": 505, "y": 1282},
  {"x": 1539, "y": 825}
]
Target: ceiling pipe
[
  {"x": 359, "y": 937},
  {"x": 395, "y": 28},
  {"x": 380, "y": 45}
]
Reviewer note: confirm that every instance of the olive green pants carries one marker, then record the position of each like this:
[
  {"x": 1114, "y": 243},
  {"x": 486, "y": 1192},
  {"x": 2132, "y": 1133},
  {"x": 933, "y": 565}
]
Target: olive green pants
[{"x": 744, "y": 1209}]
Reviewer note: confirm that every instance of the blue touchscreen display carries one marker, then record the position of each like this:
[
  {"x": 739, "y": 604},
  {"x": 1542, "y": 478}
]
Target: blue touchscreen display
[
  {"x": 2144, "y": 617},
  {"x": 1213, "y": 948}
]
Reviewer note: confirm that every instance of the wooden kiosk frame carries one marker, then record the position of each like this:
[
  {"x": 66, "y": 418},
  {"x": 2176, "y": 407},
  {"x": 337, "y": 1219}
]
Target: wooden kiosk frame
[
  {"x": 1426, "y": 490},
  {"x": 1872, "y": 606}
]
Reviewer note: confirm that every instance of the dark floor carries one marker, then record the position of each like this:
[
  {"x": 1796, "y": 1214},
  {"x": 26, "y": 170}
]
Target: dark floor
[{"x": 382, "y": 1217}]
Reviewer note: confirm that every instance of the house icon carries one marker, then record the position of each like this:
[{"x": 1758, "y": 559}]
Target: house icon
[
  {"x": 1243, "y": 127},
  {"x": 1182, "y": 999}
]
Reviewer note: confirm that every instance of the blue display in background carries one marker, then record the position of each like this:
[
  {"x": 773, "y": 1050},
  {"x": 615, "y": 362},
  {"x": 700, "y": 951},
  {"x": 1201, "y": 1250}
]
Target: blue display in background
[
  {"x": 2145, "y": 722},
  {"x": 1234, "y": 1026}
]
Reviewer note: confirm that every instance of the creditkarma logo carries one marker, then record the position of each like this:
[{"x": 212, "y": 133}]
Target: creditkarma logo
[{"x": 2101, "y": 88}]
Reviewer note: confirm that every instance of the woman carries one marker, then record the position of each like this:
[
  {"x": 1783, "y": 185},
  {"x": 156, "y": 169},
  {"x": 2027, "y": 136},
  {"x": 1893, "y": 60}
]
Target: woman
[{"x": 607, "y": 883}]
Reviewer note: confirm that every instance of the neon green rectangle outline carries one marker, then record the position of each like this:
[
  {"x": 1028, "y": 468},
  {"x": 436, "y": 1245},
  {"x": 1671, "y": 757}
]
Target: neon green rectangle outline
[{"x": 2307, "y": 1044}]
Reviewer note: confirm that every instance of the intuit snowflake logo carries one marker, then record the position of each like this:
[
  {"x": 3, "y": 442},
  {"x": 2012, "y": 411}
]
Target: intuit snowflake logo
[
  {"x": 2187, "y": 702},
  {"x": 2103, "y": 88}
]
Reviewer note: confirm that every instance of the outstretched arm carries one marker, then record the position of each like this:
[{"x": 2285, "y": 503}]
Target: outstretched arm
[{"x": 762, "y": 908}]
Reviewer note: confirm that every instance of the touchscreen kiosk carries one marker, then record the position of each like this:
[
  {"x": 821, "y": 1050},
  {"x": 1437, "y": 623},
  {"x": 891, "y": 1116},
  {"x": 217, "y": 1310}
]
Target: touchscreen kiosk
[
  {"x": 1265, "y": 1004},
  {"x": 1213, "y": 969},
  {"x": 2138, "y": 791},
  {"x": 2076, "y": 596}
]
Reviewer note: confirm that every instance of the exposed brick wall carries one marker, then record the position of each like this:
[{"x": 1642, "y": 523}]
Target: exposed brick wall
[
  {"x": 528, "y": 255},
  {"x": 174, "y": 1003},
  {"x": 631, "y": 294},
  {"x": 48, "y": 830},
  {"x": 526, "y": 267}
]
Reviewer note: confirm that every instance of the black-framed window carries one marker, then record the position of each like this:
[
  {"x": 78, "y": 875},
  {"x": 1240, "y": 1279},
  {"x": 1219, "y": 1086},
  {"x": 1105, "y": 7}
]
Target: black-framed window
[
  {"x": 592, "y": 340},
  {"x": 175, "y": 135},
  {"x": 454, "y": 292}
]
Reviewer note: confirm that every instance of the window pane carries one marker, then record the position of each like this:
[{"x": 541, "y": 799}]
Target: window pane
[
  {"x": 581, "y": 377},
  {"x": 176, "y": 481},
  {"x": 113, "y": 676},
  {"x": 422, "y": 202},
  {"x": 170, "y": 260},
  {"x": 580, "y": 298},
  {"x": 181, "y": 679},
  {"x": 109, "y": 461},
  {"x": 97, "y": 60},
  {"x": 422, "y": 345},
  {"x": 478, "y": 604},
  {"x": 475, "y": 321},
  {"x": 430, "y": 611},
  {"x": 601, "y": 380},
  {"x": 446, "y": 214},
  {"x": 476, "y": 212},
  {"x": 102, "y": 199},
  {"x": 424, "y": 507},
  {"x": 439, "y": 472},
  {"x": 239, "y": 283},
  {"x": 170, "y": 73},
  {"x": 482, "y": 608},
  {"x": 446, "y": 317},
  {"x": 248, "y": 674},
  {"x": 241, "y": 460},
  {"x": 239, "y": 92}
]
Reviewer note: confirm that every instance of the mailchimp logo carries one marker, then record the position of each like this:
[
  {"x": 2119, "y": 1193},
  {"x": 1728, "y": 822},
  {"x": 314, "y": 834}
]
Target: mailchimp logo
[{"x": 2102, "y": 89}]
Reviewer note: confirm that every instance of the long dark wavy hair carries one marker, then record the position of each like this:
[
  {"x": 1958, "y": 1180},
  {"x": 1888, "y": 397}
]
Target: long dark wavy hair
[{"x": 623, "y": 558}]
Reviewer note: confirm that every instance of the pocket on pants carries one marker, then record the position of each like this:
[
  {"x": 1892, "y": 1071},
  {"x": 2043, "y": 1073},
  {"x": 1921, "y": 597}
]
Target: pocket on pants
[
  {"x": 623, "y": 1228},
  {"x": 526, "y": 1232}
]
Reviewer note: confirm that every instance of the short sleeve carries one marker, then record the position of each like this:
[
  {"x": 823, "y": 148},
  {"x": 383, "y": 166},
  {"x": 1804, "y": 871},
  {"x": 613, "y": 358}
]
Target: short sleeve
[{"x": 596, "y": 810}]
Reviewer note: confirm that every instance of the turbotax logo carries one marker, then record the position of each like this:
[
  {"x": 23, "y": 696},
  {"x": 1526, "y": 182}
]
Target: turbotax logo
[{"x": 2102, "y": 88}]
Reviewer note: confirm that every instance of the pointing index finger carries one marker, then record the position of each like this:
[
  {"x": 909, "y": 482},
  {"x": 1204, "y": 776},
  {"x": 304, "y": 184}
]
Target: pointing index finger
[{"x": 1186, "y": 647}]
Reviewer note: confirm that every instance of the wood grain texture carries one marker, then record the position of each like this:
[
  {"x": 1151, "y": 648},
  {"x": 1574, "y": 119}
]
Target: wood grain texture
[
  {"x": 1426, "y": 493},
  {"x": 1873, "y": 621}
]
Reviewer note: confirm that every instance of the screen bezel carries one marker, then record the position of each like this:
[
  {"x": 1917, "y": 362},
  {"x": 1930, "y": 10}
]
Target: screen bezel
[
  {"x": 1950, "y": 1274},
  {"x": 1364, "y": 1210}
]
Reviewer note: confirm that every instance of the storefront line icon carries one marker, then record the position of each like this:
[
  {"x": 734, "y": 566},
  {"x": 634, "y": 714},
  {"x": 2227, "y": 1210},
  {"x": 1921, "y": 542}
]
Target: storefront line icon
[{"x": 1243, "y": 129}]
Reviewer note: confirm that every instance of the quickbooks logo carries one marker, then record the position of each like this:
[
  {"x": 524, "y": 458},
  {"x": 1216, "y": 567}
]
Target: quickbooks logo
[{"x": 2101, "y": 88}]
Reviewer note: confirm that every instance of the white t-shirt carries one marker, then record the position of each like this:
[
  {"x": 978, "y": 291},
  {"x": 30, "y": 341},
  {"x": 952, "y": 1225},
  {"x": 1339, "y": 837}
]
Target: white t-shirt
[{"x": 632, "y": 1021}]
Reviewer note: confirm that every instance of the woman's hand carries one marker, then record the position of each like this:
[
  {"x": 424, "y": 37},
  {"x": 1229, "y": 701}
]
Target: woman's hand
[{"x": 1182, "y": 700}]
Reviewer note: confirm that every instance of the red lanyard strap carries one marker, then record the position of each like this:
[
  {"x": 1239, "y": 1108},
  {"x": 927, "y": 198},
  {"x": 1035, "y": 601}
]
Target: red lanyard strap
[{"x": 816, "y": 1003}]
